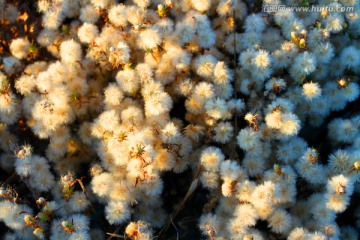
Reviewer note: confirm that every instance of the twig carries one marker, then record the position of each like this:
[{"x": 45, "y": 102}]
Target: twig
[
  {"x": 191, "y": 189},
  {"x": 177, "y": 232},
  {"x": 114, "y": 234},
  {"x": 10, "y": 178},
  {"x": 87, "y": 197},
  {"x": 32, "y": 192},
  {"x": 233, "y": 151}
]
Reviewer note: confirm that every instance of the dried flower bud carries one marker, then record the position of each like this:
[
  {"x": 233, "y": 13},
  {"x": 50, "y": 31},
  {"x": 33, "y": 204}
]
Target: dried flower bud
[
  {"x": 68, "y": 227},
  {"x": 357, "y": 165},
  {"x": 41, "y": 201},
  {"x": 39, "y": 232},
  {"x": 29, "y": 220}
]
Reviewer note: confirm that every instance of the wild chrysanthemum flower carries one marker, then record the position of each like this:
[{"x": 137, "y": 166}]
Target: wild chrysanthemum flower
[
  {"x": 78, "y": 201},
  {"x": 254, "y": 165},
  {"x": 211, "y": 158},
  {"x": 335, "y": 96},
  {"x": 149, "y": 39},
  {"x": 280, "y": 221},
  {"x": 351, "y": 92},
  {"x": 164, "y": 27},
  {"x": 89, "y": 14},
  {"x": 80, "y": 235},
  {"x": 101, "y": 3},
  {"x": 19, "y": 48},
  {"x": 11, "y": 65},
  {"x": 202, "y": 5},
  {"x": 304, "y": 64},
  {"x": 117, "y": 212},
  {"x": 229, "y": 170},
  {"x": 311, "y": 90},
  {"x": 245, "y": 216},
  {"x": 341, "y": 186},
  {"x": 209, "y": 225},
  {"x": 282, "y": 104},
  {"x": 223, "y": 132},
  {"x": 250, "y": 39},
  {"x": 298, "y": 234},
  {"x": 283, "y": 17},
  {"x": 350, "y": 57},
  {"x": 290, "y": 124},
  {"x": 324, "y": 52},
  {"x": 204, "y": 65},
  {"x": 334, "y": 22},
  {"x": 117, "y": 15},
  {"x": 158, "y": 104},
  {"x": 101, "y": 184},
  {"x": 209, "y": 179},
  {"x": 204, "y": 90},
  {"x": 255, "y": 23},
  {"x": 274, "y": 120},
  {"x": 248, "y": 138},
  {"x": 233, "y": 43},
  {"x": 261, "y": 59},
  {"x": 52, "y": 19},
  {"x": 88, "y": 32},
  {"x": 70, "y": 51},
  {"x": 206, "y": 38},
  {"x": 127, "y": 80},
  {"x": 170, "y": 133},
  {"x": 309, "y": 169},
  {"x": 322, "y": 214},
  {"x": 216, "y": 108},
  {"x": 222, "y": 74}
]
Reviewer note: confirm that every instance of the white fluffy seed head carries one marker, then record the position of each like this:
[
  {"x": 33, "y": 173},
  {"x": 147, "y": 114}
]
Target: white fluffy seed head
[
  {"x": 19, "y": 47},
  {"x": 89, "y": 14},
  {"x": 149, "y": 39},
  {"x": 248, "y": 138},
  {"x": 117, "y": 15},
  {"x": 70, "y": 51},
  {"x": 350, "y": 57},
  {"x": 88, "y": 32},
  {"x": 204, "y": 65},
  {"x": 311, "y": 90},
  {"x": 211, "y": 158}
]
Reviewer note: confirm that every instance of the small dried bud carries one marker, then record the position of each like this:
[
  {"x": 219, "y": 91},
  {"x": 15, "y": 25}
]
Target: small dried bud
[
  {"x": 302, "y": 43},
  {"x": 66, "y": 178},
  {"x": 341, "y": 189},
  {"x": 68, "y": 227},
  {"x": 211, "y": 232},
  {"x": 313, "y": 156},
  {"x": 39, "y": 232},
  {"x": 41, "y": 201},
  {"x": 96, "y": 170},
  {"x": 324, "y": 13},
  {"x": 342, "y": 83},
  {"x": 248, "y": 237},
  {"x": 357, "y": 165},
  {"x": 2, "y": 192},
  {"x": 29, "y": 220},
  {"x": 160, "y": 7}
]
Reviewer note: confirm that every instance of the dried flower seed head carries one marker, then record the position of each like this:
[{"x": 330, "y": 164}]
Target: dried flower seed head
[{"x": 68, "y": 227}]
